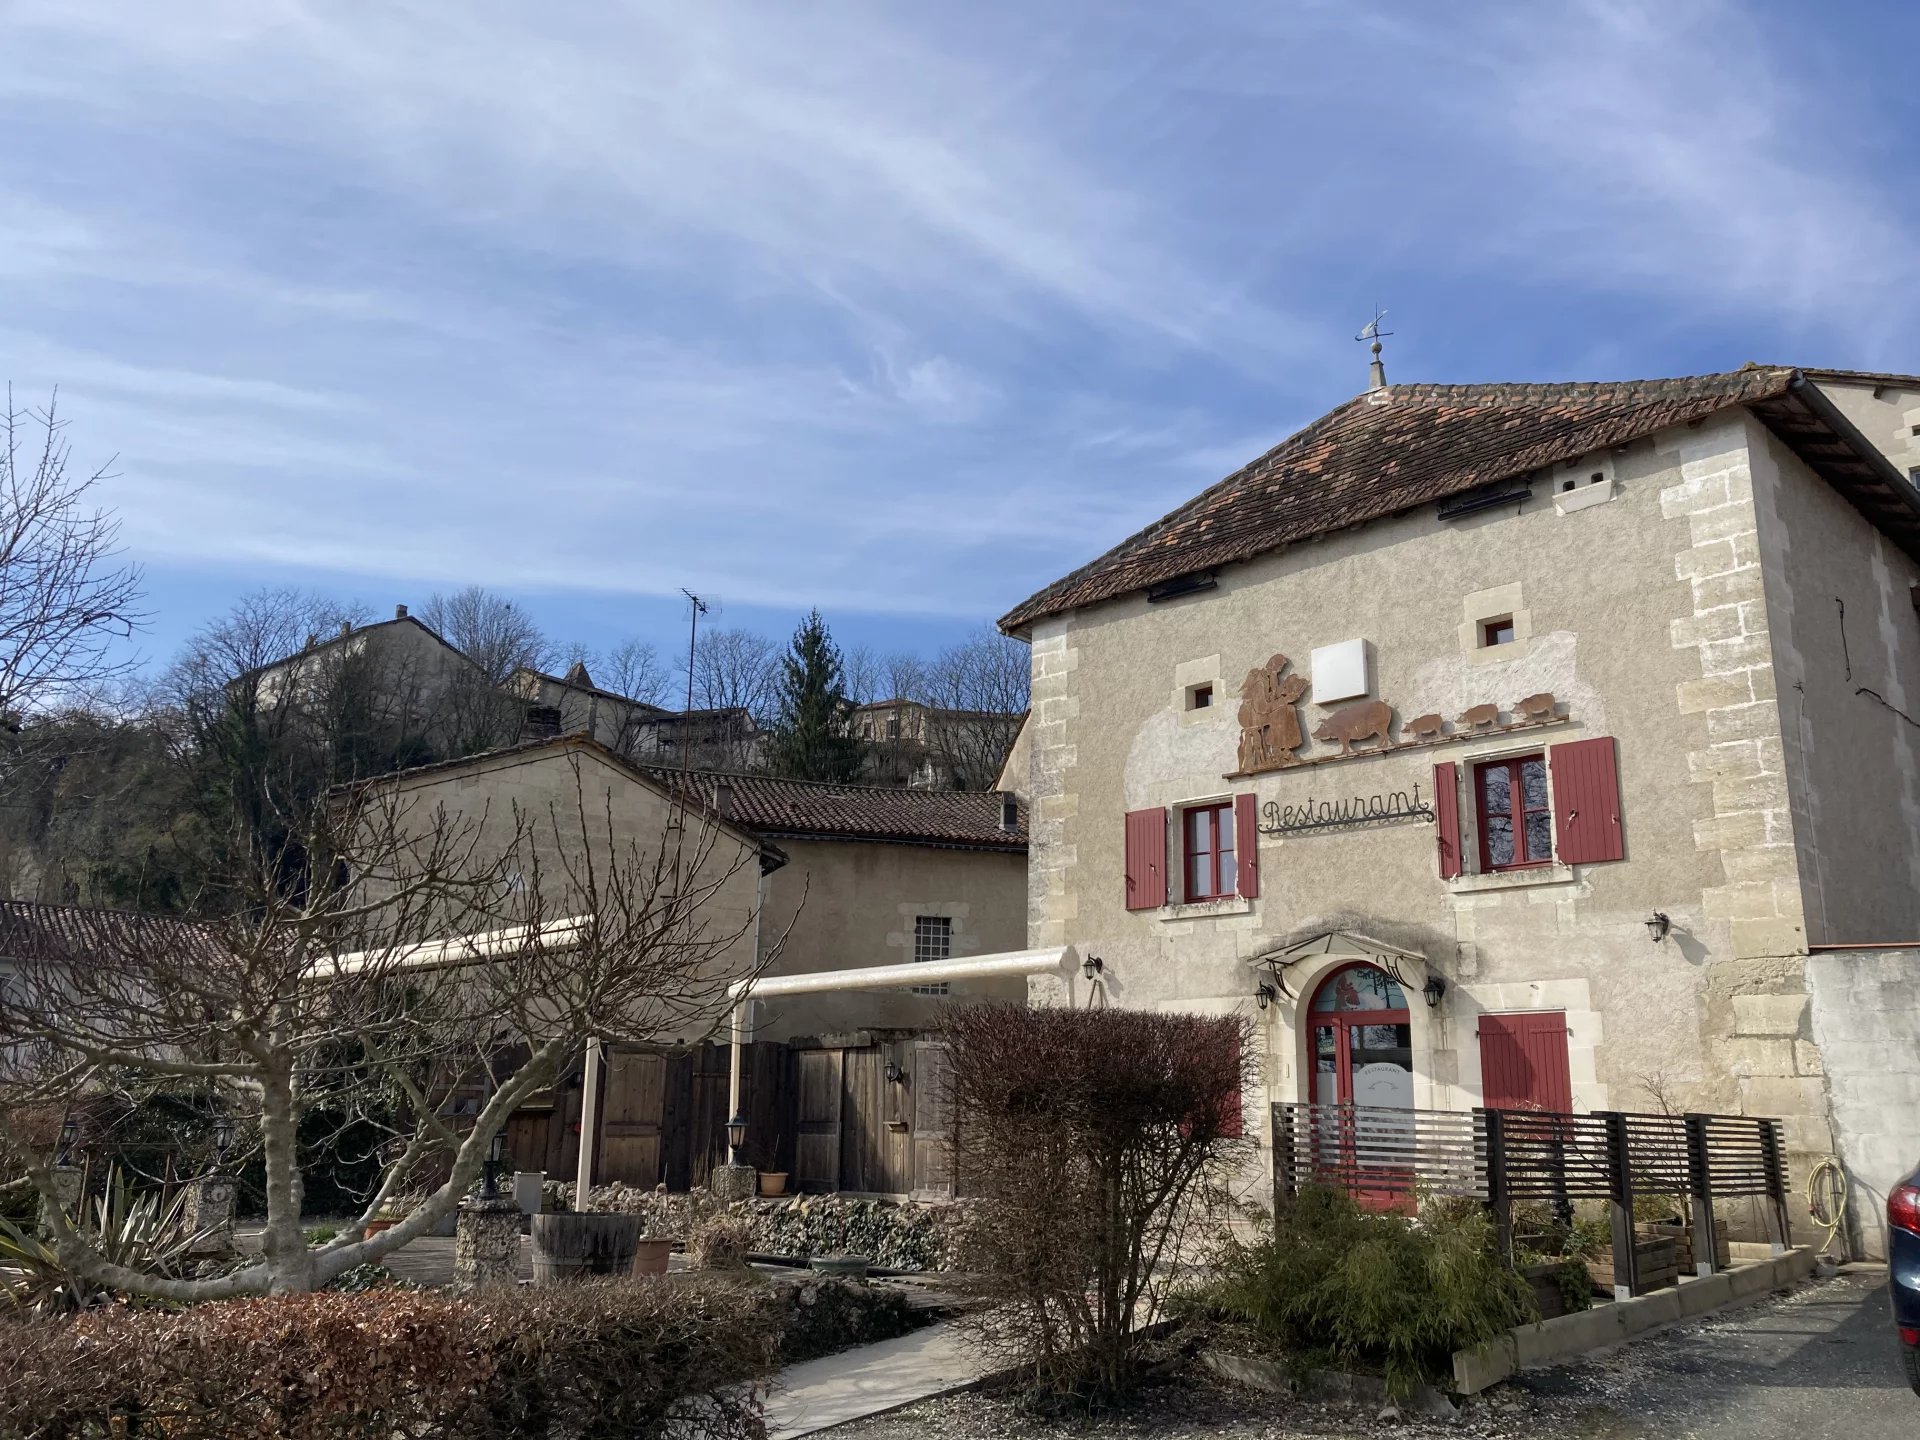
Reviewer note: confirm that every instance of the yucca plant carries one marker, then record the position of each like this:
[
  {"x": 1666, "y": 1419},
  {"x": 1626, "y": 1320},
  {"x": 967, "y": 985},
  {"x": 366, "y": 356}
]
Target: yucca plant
[{"x": 147, "y": 1233}]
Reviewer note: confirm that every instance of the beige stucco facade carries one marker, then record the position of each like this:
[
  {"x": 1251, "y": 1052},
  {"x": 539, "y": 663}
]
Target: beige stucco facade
[
  {"x": 1678, "y": 595},
  {"x": 824, "y": 904},
  {"x": 841, "y": 904}
]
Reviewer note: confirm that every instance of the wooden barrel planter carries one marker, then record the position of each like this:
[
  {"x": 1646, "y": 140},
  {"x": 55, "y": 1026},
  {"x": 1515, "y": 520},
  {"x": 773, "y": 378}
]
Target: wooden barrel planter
[{"x": 571, "y": 1245}]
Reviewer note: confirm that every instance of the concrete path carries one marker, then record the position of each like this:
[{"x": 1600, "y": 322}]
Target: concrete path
[{"x": 871, "y": 1380}]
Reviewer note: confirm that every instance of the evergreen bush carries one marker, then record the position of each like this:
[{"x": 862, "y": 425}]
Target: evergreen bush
[{"x": 1329, "y": 1281}]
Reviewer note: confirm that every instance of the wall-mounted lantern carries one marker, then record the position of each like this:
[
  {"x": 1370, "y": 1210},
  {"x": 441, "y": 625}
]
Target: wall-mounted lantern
[
  {"x": 1092, "y": 966},
  {"x": 1658, "y": 926},
  {"x": 1264, "y": 994},
  {"x": 895, "y": 1075},
  {"x": 1433, "y": 991}
]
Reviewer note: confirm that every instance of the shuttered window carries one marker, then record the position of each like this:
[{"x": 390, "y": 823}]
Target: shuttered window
[
  {"x": 1207, "y": 849},
  {"x": 1246, "y": 845},
  {"x": 1446, "y": 815},
  {"x": 1510, "y": 804},
  {"x": 1523, "y": 1062},
  {"x": 1586, "y": 801},
  {"x": 1146, "y": 859}
]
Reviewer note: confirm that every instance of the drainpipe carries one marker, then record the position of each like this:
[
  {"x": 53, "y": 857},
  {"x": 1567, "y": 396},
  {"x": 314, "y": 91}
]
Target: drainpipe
[{"x": 743, "y": 1017}]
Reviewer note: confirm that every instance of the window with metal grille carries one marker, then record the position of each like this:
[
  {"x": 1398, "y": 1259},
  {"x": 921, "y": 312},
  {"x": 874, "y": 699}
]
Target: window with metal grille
[{"x": 932, "y": 940}]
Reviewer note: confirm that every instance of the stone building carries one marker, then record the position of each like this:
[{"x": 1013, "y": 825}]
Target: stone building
[{"x": 1528, "y": 745}]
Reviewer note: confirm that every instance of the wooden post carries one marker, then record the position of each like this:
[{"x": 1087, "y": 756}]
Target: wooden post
[
  {"x": 1284, "y": 1182},
  {"x": 1706, "y": 1239},
  {"x": 1499, "y": 1183},
  {"x": 1770, "y": 1150},
  {"x": 589, "y": 1124},
  {"x": 1626, "y": 1260}
]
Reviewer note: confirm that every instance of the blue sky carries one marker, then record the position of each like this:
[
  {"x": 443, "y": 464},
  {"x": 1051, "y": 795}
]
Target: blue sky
[{"x": 901, "y": 310}]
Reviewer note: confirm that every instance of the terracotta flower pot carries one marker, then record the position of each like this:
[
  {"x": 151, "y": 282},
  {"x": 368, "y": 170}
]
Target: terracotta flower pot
[
  {"x": 374, "y": 1227},
  {"x": 773, "y": 1182},
  {"x": 650, "y": 1255}
]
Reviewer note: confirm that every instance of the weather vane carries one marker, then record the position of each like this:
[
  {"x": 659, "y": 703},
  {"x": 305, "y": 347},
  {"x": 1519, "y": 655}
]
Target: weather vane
[{"x": 1377, "y": 377}]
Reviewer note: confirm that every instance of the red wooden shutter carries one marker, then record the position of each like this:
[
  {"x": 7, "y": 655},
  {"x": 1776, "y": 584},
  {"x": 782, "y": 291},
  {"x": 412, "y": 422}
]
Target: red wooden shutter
[
  {"x": 1446, "y": 815},
  {"x": 1246, "y": 845},
  {"x": 1523, "y": 1062},
  {"x": 1586, "y": 802},
  {"x": 1146, "y": 859}
]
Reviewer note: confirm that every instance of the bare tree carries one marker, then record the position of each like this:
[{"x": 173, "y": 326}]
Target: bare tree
[
  {"x": 567, "y": 933},
  {"x": 735, "y": 669},
  {"x": 476, "y": 709},
  {"x": 633, "y": 668},
  {"x": 978, "y": 691},
  {"x": 64, "y": 598}
]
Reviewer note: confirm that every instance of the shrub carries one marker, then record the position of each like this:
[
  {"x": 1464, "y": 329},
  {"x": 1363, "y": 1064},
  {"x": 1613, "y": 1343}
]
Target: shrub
[
  {"x": 608, "y": 1358},
  {"x": 1366, "y": 1290},
  {"x": 145, "y": 1233},
  {"x": 822, "y": 1317},
  {"x": 721, "y": 1241},
  {"x": 1091, "y": 1140}
]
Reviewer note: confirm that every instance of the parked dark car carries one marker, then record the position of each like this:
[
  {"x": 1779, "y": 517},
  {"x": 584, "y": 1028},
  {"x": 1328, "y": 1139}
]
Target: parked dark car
[{"x": 1903, "y": 1265}]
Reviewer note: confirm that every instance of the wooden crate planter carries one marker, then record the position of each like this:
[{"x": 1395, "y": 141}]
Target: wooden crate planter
[
  {"x": 1656, "y": 1257},
  {"x": 1722, "y": 1258},
  {"x": 1548, "y": 1296}
]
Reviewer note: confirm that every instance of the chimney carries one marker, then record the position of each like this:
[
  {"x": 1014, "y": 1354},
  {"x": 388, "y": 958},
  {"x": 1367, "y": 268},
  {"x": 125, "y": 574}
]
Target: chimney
[
  {"x": 723, "y": 799},
  {"x": 312, "y": 640},
  {"x": 346, "y": 627},
  {"x": 399, "y": 612},
  {"x": 1009, "y": 812},
  {"x": 542, "y": 723}
]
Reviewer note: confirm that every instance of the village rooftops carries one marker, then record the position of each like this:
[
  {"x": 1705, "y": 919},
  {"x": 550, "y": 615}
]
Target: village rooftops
[
  {"x": 66, "y": 934},
  {"x": 1394, "y": 449},
  {"x": 824, "y": 810}
]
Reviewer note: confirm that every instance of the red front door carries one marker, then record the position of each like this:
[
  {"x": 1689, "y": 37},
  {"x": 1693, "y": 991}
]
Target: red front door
[{"x": 1362, "y": 1039}]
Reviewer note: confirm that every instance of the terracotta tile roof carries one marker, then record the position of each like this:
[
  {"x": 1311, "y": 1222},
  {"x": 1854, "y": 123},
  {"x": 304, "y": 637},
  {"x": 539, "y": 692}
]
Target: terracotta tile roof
[
  {"x": 808, "y": 809},
  {"x": 1372, "y": 458},
  {"x": 70, "y": 933}
]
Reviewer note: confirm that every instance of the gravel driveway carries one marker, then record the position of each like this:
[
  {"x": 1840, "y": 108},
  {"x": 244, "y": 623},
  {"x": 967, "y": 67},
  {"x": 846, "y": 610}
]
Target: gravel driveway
[{"x": 1819, "y": 1362}]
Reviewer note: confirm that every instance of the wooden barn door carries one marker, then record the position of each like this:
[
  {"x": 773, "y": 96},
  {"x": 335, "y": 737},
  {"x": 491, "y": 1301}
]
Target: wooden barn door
[
  {"x": 816, "y": 1159},
  {"x": 933, "y": 1136},
  {"x": 630, "y": 1133}
]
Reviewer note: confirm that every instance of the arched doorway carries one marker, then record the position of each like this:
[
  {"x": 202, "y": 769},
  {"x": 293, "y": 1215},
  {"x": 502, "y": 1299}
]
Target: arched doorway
[{"x": 1360, "y": 1038}]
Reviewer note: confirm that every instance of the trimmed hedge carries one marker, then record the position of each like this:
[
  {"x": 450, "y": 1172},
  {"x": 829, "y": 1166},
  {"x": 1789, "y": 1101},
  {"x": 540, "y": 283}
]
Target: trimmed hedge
[{"x": 611, "y": 1358}]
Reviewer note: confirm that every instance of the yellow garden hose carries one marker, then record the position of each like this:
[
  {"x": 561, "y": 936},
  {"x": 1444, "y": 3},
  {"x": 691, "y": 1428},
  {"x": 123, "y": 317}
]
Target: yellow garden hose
[{"x": 1827, "y": 1201}]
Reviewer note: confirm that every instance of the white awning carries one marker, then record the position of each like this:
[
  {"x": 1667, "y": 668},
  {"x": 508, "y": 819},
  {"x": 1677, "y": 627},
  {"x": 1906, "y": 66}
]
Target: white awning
[{"x": 1005, "y": 965}]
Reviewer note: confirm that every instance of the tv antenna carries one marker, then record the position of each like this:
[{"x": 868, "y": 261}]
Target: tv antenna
[
  {"x": 697, "y": 608},
  {"x": 1377, "y": 373}
]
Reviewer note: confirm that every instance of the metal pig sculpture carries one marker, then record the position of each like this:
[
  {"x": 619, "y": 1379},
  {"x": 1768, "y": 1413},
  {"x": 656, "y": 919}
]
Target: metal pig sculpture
[{"x": 1369, "y": 720}]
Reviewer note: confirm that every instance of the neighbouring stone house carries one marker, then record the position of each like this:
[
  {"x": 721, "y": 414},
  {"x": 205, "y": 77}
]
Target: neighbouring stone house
[
  {"x": 926, "y": 746},
  {"x": 849, "y": 876},
  {"x": 1528, "y": 745}
]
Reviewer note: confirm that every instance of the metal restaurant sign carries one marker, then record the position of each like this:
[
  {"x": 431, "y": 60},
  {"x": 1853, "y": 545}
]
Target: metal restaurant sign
[{"x": 1353, "y": 810}]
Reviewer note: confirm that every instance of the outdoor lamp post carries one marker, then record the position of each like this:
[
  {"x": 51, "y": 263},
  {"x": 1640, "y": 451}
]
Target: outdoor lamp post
[
  {"x": 222, "y": 1141},
  {"x": 69, "y": 1137},
  {"x": 736, "y": 1137},
  {"x": 490, "y": 1172}
]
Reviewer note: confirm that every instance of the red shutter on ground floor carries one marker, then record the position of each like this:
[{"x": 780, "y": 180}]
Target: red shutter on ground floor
[
  {"x": 1246, "y": 845},
  {"x": 1446, "y": 816},
  {"x": 1146, "y": 859},
  {"x": 1523, "y": 1062},
  {"x": 1586, "y": 801}
]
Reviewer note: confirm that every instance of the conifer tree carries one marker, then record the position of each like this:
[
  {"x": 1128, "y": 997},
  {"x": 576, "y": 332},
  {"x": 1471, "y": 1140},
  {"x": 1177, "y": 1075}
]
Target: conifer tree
[{"x": 812, "y": 736}]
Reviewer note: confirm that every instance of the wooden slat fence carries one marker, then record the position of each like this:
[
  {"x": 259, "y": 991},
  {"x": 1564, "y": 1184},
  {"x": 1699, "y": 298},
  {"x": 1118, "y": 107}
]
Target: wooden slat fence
[{"x": 1387, "y": 1157}]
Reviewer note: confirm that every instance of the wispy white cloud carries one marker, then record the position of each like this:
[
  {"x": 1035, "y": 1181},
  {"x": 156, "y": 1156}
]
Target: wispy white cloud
[{"x": 885, "y": 308}]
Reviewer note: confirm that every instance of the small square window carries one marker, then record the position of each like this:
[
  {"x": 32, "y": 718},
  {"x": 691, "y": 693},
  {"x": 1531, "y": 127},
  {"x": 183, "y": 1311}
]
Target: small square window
[
  {"x": 932, "y": 940},
  {"x": 1200, "y": 697},
  {"x": 1497, "y": 632}
]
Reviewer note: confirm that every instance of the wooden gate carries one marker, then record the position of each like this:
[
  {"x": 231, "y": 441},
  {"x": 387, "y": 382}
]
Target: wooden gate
[{"x": 633, "y": 1105}]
